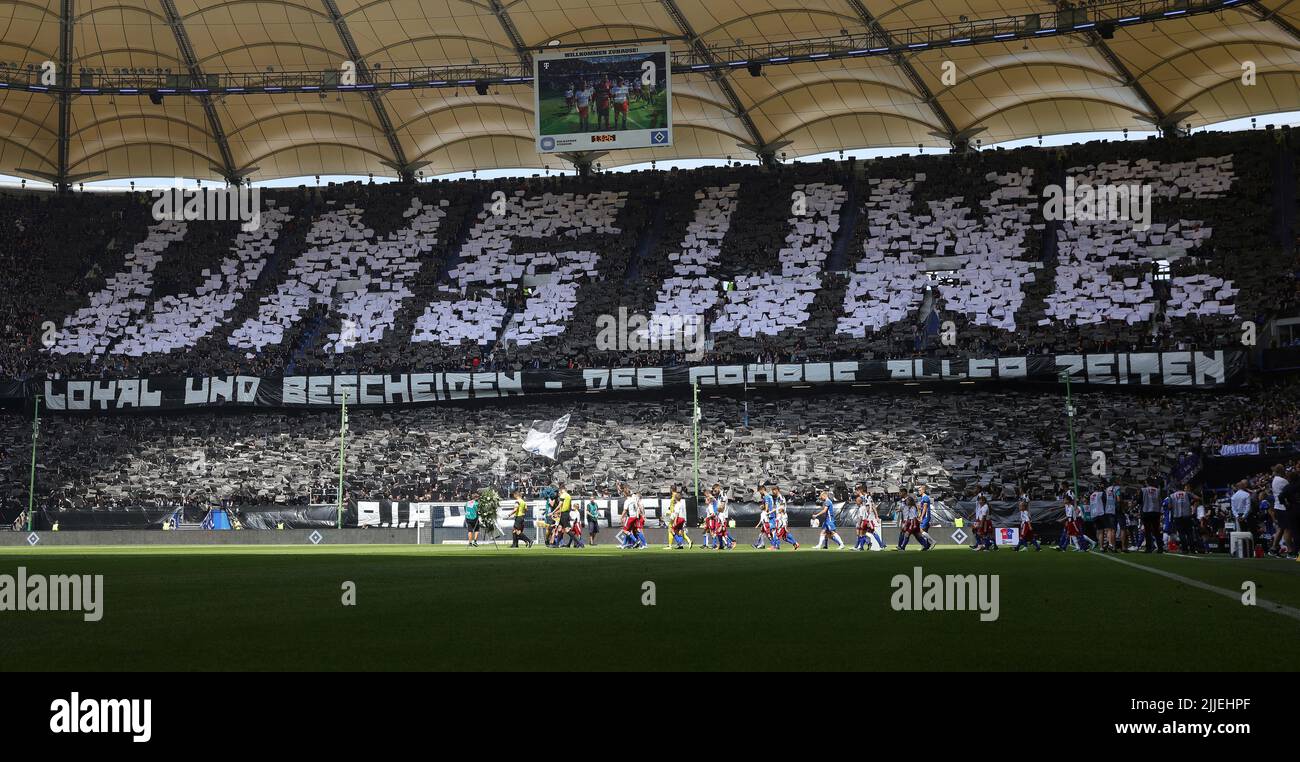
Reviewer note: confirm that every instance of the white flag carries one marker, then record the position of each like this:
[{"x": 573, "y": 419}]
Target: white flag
[{"x": 544, "y": 437}]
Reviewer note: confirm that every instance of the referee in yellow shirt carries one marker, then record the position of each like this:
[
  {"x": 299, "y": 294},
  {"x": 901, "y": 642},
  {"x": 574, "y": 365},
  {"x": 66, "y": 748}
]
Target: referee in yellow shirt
[
  {"x": 520, "y": 515},
  {"x": 563, "y": 515}
]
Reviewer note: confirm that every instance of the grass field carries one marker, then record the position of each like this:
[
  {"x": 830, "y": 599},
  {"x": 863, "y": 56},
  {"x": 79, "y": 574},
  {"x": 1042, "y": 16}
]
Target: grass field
[
  {"x": 452, "y": 607},
  {"x": 559, "y": 119}
]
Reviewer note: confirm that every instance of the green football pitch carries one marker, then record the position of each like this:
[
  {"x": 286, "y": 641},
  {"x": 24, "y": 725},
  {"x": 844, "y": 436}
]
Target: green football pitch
[
  {"x": 559, "y": 119},
  {"x": 459, "y": 608}
]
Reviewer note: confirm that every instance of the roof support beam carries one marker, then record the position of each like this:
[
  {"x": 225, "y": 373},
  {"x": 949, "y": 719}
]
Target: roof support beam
[
  {"x": 900, "y": 60},
  {"x": 767, "y": 153},
  {"x": 512, "y": 32},
  {"x": 582, "y": 161},
  {"x": 694, "y": 59},
  {"x": 65, "y": 97},
  {"x": 1126, "y": 77},
  {"x": 960, "y": 140},
  {"x": 1095, "y": 38},
  {"x": 60, "y": 178},
  {"x": 1168, "y": 126},
  {"x": 228, "y": 169},
  {"x": 405, "y": 170},
  {"x": 1276, "y": 19},
  {"x": 719, "y": 77}
]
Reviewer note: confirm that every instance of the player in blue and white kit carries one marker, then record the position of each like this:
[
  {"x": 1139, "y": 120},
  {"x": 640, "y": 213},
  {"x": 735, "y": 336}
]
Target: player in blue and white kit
[
  {"x": 925, "y": 507},
  {"x": 910, "y": 526},
  {"x": 828, "y": 522},
  {"x": 778, "y": 504}
]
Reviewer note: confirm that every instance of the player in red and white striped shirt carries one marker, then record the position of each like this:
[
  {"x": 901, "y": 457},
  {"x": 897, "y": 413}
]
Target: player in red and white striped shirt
[
  {"x": 1027, "y": 537},
  {"x": 1074, "y": 536}
]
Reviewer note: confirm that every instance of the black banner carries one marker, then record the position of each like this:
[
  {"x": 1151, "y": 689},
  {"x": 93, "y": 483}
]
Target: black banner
[
  {"x": 143, "y": 517},
  {"x": 379, "y": 512},
  {"x": 1178, "y": 370}
]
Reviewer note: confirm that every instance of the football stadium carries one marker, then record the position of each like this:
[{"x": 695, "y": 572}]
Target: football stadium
[{"x": 476, "y": 335}]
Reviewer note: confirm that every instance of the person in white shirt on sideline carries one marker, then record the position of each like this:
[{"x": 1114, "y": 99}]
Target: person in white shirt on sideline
[
  {"x": 1241, "y": 506},
  {"x": 1282, "y": 535}
]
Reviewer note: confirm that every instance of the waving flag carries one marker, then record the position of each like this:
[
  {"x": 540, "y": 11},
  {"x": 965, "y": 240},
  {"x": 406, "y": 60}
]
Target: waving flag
[{"x": 544, "y": 437}]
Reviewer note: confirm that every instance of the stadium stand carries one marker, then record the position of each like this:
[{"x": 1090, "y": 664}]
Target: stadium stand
[
  {"x": 393, "y": 277},
  {"x": 797, "y": 263},
  {"x": 956, "y": 442}
]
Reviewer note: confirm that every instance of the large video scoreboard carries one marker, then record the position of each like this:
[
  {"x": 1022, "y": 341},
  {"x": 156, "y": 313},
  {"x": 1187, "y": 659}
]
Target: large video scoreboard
[{"x": 598, "y": 99}]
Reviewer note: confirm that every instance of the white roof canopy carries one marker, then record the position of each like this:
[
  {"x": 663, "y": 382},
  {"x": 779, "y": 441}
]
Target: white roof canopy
[{"x": 1190, "y": 68}]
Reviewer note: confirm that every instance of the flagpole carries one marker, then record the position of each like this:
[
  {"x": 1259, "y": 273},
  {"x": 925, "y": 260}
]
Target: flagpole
[
  {"x": 343, "y": 427},
  {"x": 31, "y": 483},
  {"x": 1069, "y": 416},
  {"x": 695, "y": 436}
]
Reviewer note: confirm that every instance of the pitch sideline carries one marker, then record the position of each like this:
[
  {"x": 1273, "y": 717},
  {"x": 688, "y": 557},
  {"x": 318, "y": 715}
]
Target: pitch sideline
[{"x": 1276, "y": 608}]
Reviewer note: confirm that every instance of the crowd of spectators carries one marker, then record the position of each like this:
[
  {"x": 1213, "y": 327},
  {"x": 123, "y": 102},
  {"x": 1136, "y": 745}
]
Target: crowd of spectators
[
  {"x": 1266, "y": 504},
  {"x": 1269, "y": 416},
  {"x": 58, "y": 250},
  {"x": 958, "y": 442}
]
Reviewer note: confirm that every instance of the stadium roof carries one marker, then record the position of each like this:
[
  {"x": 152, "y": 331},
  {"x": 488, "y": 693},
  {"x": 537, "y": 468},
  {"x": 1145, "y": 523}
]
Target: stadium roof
[{"x": 1185, "y": 68}]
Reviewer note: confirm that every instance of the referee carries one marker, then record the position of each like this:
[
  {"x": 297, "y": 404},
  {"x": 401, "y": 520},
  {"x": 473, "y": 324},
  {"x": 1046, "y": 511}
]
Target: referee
[
  {"x": 564, "y": 504},
  {"x": 520, "y": 515}
]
